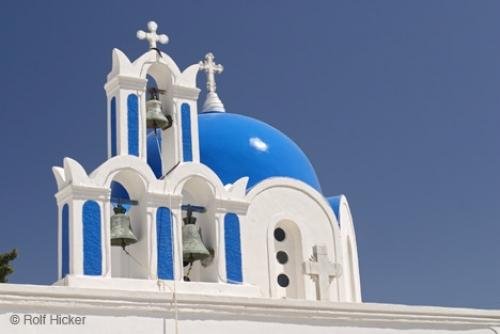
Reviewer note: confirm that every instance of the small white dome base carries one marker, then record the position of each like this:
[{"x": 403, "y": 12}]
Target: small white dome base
[{"x": 213, "y": 103}]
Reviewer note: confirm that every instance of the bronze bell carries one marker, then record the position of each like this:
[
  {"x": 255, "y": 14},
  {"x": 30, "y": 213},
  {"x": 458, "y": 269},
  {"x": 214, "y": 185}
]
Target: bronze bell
[
  {"x": 121, "y": 230},
  {"x": 192, "y": 246},
  {"x": 155, "y": 118}
]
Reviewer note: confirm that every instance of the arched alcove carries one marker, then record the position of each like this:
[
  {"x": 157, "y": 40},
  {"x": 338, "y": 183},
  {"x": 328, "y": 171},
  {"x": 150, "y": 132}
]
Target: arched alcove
[
  {"x": 159, "y": 85},
  {"x": 285, "y": 259},
  {"x": 127, "y": 187},
  {"x": 160, "y": 76},
  {"x": 199, "y": 192}
]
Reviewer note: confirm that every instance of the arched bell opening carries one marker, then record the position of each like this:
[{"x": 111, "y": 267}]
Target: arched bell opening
[
  {"x": 159, "y": 115},
  {"x": 154, "y": 135},
  {"x": 199, "y": 235},
  {"x": 129, "y": 227},
  {"x": 285, "y": 258},
  {"x": 159, "y": 86}
]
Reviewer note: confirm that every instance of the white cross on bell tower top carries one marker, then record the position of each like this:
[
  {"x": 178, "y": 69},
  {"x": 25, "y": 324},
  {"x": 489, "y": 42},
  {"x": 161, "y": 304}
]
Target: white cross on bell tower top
[
  {"x": 213, "y": 102},
  {"x": 152, "y": 36}
]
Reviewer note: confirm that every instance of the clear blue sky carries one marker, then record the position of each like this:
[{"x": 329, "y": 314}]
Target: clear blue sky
[{"x": 397, "y": 104}]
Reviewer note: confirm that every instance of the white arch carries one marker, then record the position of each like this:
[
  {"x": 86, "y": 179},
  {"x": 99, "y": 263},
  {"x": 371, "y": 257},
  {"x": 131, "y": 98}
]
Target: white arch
[
  {"x": 122, "y": 66},
  {"x": 352, "y": 281},
  {"x": 186, "y": 170},
  {"x": 103, "y": 175},
  {"x": 141, "y": 65},
  {"x": 286, "y": 182},
  {"x": 139, "y": 68},
  {"x": 334, "y": 244}
]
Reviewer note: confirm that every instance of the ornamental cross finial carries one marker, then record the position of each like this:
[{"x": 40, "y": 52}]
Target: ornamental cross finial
[
  {"x": 152, "y": 36},
  {"x": 208, "y": 65},
  {"x": 321, "y": 269}
]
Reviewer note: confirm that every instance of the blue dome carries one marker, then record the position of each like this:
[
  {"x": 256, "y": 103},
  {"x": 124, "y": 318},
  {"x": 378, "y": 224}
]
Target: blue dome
[{"x": 234, "y": 146}]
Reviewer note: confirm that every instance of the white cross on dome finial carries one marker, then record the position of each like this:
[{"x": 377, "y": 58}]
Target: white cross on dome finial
[
  {"x": 212, "y": 102},
  {"x": 211, "y": 68},
  {"x": 152, "y": 36}
]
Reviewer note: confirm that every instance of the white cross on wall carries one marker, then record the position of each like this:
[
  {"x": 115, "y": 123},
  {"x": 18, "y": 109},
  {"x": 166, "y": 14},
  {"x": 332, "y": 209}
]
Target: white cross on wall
[
  {"x": 151, "y": 36},
  {"x": 208, "y": 65},
  {"x": 321, "y": 269}
]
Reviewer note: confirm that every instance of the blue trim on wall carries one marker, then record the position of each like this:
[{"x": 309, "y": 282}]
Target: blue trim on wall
[
  {"x": 133, "y": 124},
  {"x": 65, "y": 241},
  {"x": 164, "y": 243},
  {"x": 92, "y": 258},
  {"x": 113, "y": 126},
  {"x": 187, "y": 148},
  {"x": 233, "y": 248}
]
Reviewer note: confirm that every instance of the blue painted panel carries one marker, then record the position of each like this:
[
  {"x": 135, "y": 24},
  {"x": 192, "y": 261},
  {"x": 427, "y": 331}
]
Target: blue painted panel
[
  {"x": 164, "y": 243},
  {"x": 154, "y": 152},
  {"x": 65, "y": 241},
  {"x": 133, "y": 124},
  {"x": 233, "y": 248},
  {"x": 113, "y": 126},
  {"x": 92, "y": 258},
  {"x": 186, "y": 132}
]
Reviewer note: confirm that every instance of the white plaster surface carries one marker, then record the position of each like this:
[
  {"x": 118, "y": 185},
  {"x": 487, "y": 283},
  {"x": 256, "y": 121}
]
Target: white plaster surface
[{"x": 116, "y": 311}]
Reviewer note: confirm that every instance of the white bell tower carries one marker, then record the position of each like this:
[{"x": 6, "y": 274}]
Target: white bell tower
[{"x": 126, "y": 95}]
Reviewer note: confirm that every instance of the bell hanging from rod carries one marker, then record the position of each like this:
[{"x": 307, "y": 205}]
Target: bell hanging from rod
[
  {"x": 155, "y": 118},
  {"x": 121, "y": 229},
  {"x": 193, "y": 248}
]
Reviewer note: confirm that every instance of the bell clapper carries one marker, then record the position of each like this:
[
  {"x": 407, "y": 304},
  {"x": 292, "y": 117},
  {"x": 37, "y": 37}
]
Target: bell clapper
[{"x": 186, "y": 276}]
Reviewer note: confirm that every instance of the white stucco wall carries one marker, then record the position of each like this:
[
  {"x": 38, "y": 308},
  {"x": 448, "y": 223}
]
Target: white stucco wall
[{"x": 115, "y": 311}]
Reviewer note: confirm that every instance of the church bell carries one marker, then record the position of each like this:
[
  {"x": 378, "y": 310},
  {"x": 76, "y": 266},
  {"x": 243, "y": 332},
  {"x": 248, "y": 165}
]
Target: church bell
[
  {"x": 155, "y": 118},
  {"x": 192, "y": 246},
  {"x": 121, "y": 230}
]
